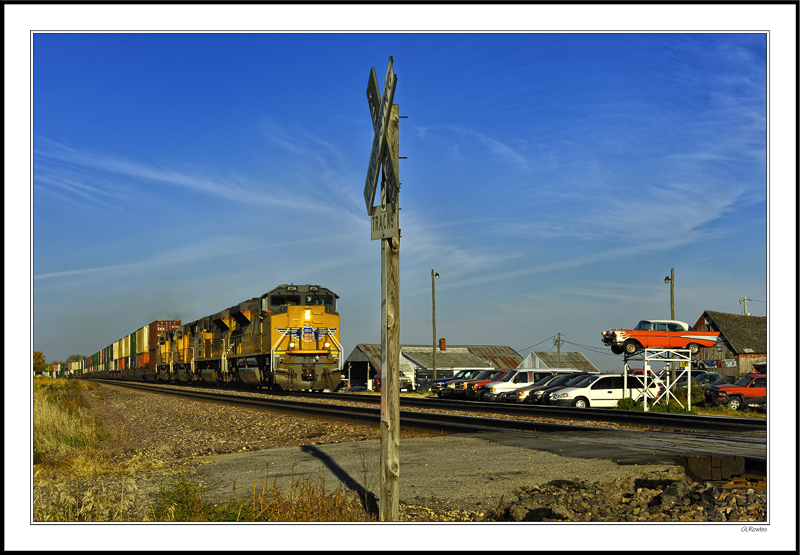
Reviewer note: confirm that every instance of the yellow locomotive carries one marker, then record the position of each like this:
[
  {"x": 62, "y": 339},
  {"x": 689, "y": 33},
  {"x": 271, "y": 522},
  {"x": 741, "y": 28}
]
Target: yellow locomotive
[{"x": 285, "y": 339}]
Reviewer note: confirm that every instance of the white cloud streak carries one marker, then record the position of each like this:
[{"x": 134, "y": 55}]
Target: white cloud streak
[{"x": 83, "y": 174}]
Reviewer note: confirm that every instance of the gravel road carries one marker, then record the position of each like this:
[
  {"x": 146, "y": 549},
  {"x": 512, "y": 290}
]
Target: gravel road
[{"x": 458, "y": 472}]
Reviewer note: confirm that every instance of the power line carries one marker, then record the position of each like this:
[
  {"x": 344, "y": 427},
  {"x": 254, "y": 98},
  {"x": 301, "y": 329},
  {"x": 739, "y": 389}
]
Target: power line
[
  {"x": 539, "y": 343},
  {"x": 587, "y": 347}
]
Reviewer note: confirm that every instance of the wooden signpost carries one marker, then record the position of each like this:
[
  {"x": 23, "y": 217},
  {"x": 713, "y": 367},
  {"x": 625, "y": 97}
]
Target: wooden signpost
[{"x": 385, "y": 227}]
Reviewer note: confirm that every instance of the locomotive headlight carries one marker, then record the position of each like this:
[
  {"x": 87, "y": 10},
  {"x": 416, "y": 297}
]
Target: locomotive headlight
[
  {"x": 291, "y": 345},
  {"x": 308, "y": 314},
  {"x": 327, "y": 344}
]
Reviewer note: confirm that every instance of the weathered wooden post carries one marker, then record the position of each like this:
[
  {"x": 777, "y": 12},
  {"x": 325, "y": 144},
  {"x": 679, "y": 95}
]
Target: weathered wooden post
[{"x": 385, "y": 150}]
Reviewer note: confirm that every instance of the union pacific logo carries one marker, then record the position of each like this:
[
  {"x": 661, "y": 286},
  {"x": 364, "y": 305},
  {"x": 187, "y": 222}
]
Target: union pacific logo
[{"x": 307, "y": 334}]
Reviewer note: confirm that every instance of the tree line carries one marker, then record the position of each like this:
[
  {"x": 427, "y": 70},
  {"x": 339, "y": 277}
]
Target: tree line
[{"x": 40, "y": 364}]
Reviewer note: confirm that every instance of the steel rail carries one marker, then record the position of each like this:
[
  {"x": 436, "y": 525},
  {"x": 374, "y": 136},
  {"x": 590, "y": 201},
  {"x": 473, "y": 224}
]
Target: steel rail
[
  {"x": 671, "y": 421},
  {"x": 689, "y": 422},
  {"x": 452, "y": 423},
  {"x": 410, "y": 419}
]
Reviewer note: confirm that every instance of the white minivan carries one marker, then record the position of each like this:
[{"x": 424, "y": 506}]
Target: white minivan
[{"x": 604, "y": 390}]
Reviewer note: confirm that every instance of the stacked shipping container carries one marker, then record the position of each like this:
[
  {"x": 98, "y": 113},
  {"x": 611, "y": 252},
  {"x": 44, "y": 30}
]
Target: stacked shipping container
[{"x": 129, "y": 357}]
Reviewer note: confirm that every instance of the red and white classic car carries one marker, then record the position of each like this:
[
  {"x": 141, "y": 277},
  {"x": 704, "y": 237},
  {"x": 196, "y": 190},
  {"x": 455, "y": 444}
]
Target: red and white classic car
[{"x": 659, "y": 334}]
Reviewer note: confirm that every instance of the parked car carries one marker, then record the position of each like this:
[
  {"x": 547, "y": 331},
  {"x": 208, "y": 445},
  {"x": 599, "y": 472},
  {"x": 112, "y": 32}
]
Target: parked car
[
  {"x": 757, "y": 404},
  {"x": 457, "y": 388},
  {"x": 737, "y": 394},
  {"x": 356, "y": 389},
  {"x": 542, "y": 396},
  {"x": 704, "y": 379},
  {"x": 511, "y": 381},
  {"x": 658, "y": 334},
  {"x": 474, "y": 389},
  {"x": 438, "y": 386},
  {"x": 405, "y": 382},
  {"x": 520, "y": 395},
  {"x": 726, "y": 380},
  {"x": 604, "y": 390}
]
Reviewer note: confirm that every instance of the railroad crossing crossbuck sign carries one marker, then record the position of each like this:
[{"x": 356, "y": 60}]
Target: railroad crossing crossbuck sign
[{"x": 384, "y": 219}]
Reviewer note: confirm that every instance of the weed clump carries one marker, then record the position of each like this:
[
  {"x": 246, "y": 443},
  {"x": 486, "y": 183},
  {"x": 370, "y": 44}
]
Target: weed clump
[{"x": 181, "y": 500}]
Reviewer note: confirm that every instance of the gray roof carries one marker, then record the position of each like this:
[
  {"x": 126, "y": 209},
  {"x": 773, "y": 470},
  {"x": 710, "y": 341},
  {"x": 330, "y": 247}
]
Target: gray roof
[
  {"x": 743, "y": 334},
  {"x": 451, "y": 357},
  {"x": 568, "y": 359},
  {"x": 495, "y": 355}
]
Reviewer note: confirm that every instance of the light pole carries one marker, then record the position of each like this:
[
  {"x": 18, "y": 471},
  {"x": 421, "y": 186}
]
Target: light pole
[
  {"x": 671, "y": 280},
  {"x": 434, "y": 277}
]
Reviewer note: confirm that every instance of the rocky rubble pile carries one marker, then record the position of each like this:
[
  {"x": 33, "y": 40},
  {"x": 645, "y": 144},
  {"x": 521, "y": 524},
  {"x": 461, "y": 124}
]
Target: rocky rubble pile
[{"x": 654, "y": 498}]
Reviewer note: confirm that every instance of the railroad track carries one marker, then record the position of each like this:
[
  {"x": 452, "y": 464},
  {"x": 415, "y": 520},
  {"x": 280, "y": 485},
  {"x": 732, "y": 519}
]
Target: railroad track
[
  {"x": 673, "y": 421},
  {"x": 659, "y": 436}
]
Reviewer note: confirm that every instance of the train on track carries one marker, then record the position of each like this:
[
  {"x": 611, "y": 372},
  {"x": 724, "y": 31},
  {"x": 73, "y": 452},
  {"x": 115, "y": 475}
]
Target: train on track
[{"x": 285, "y": 339}]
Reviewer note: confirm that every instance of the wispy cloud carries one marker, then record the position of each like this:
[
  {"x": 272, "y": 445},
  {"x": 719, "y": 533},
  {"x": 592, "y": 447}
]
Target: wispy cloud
[
  {"x": 85, "y": 174},
  {"x": 215, "y": 247},
  {"x": 463, "y": 139}
]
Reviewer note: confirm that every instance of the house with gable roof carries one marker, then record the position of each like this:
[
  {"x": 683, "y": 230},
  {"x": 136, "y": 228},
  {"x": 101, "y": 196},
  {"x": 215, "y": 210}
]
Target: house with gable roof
[{"x": 743, "y": 342}]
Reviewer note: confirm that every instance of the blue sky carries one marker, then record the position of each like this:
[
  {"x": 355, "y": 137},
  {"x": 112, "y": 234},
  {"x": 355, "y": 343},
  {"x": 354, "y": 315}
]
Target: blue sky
[
  {"x": 560, "y": 161},
  {"x": 552, "y": 180}
]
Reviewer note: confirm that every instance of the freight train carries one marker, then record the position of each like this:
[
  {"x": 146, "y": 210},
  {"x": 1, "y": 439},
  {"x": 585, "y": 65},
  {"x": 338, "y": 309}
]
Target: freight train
[{"x": 285, "y": 339}]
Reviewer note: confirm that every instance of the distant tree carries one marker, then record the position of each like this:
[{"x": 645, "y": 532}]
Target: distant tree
[
  {"x": 39, "y": 365},
  {"x": 75, "y": 358}
]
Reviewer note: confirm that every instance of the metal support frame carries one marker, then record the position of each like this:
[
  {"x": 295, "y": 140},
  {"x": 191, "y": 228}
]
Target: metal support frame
[{"x": 663, "y": 355}]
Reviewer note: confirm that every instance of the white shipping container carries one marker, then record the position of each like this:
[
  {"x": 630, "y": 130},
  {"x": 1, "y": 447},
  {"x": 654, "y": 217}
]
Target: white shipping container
[{"x": 142, "y": 340}]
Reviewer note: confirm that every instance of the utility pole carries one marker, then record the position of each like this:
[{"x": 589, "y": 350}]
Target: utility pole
[
  {"x": 558, "y": 344},
  {"x": 385, "y": 227},
  {"x": 745, "y": 299},
  {"x": 434, "y": 276},
  {"x": 671, "y": 280}
]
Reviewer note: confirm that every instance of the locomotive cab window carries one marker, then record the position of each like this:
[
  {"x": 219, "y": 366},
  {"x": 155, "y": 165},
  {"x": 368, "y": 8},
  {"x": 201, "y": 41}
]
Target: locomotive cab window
[
  {"x": 283, "y": 300},
  {"x": 319, "y": 300}
]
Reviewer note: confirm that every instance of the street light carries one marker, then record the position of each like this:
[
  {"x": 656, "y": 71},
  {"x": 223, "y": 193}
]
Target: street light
[
  {"x": 434, "y": 276},
  {"x": 671, "y": 280}
]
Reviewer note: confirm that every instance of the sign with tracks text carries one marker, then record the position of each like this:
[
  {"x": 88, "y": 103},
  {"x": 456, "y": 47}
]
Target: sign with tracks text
[{"x": 384, "y": 222}]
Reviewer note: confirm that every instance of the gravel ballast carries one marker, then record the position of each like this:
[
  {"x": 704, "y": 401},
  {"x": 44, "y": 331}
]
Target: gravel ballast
[{"x": 456, "y": 477}]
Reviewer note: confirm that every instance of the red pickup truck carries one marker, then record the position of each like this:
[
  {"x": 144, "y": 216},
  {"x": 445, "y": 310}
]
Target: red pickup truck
[{"x": 737, "y": 394}]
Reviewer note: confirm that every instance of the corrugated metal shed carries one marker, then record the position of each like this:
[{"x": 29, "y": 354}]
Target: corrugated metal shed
[
  {"x": 452, "y": 357},
  {"x": 570, "y": 359}
]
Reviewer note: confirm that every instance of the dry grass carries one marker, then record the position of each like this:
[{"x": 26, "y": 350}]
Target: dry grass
[
  {"x": 75, "y": 480},
  {"x": 304, "y": 501}
]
